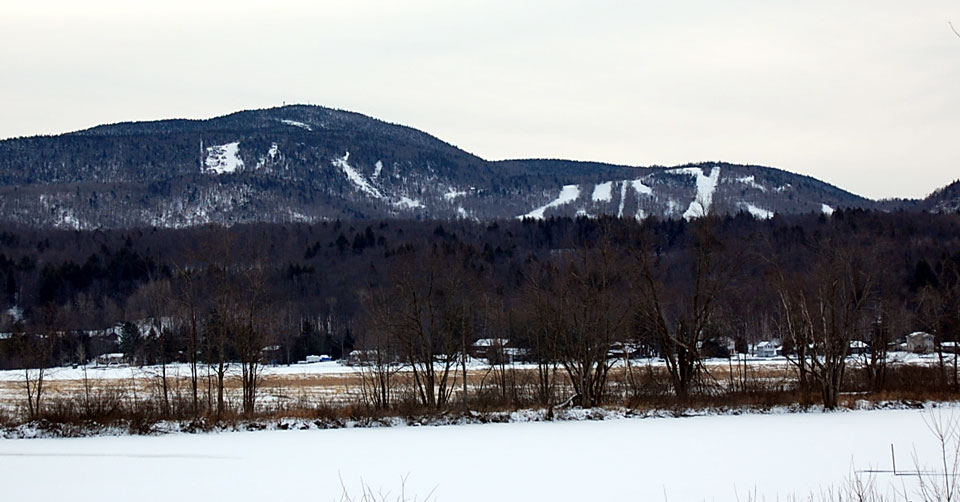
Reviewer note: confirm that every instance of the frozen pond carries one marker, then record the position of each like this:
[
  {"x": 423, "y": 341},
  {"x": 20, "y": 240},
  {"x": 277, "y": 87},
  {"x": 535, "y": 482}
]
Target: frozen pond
[{"x": 698, "y": 458}]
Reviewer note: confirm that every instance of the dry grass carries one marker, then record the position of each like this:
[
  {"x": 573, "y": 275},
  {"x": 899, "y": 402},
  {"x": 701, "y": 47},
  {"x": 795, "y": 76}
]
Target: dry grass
[{"x": 137, "y": 402}]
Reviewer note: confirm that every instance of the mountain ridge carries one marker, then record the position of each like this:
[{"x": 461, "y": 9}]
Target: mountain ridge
[{"x": 310, "y": 163}]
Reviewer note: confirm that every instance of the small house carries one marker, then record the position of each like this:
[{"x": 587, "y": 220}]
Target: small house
[
  {"x": 768, "y": 348},
  {"x": 363, "y": 357},
  {"x": 622, "y": 350},
  {"x": 858, "y": 348},
  {"x": 485, "y": 348},
  {"x": 112, "y": 359},
  {"x": 919, "y": 342}
]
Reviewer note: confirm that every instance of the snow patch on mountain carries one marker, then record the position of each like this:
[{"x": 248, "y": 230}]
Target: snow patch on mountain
[
  {"x": 568, "y": 194},
  {"x": 640, "y": 188},
  {"x": 453, "y": 193},
  {"x": 408, "y": 203},
  {"x": 354, "y": 176},
  {"x": 377, "y": 168},
  {"x": 274, "y": 151},
  {"x": 223, "y": 159},
  {"x": 673, "y": 207},
  {"x": 706, "y": 186},
  {"x": 294, "y": 123},
  {"x": 757, "y": 212},
  {"x": 601, "y": 192},
  {"x": 751, "y": 182},
  {"x": 825, "y": 209}
]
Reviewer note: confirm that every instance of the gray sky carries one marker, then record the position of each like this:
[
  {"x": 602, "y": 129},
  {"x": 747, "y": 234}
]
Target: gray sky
[{"x": 862, "y": 94}]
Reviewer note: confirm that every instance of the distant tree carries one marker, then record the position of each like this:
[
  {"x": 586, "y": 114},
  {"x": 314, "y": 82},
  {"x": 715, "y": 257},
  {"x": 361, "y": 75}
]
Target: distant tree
[{"x": 131, "y": 342}]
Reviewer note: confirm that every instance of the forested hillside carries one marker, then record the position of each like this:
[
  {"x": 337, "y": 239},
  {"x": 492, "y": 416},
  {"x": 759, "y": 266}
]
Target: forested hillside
[{"x": 310, "y": 164}]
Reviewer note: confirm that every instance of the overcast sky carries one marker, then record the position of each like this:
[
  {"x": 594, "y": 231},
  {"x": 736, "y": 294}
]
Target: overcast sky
[{"x": 862, "y": 94}]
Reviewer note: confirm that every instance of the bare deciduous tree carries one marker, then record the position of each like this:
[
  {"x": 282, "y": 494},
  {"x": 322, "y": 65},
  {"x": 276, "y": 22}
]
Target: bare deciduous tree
[
  {"x": 581, "y": 312},
  {"x": 420, "y": 309},
  {"x": 35, "y": 348},
  {"x": 678, "y": 311},
  {"x": 822, "y": 310}
]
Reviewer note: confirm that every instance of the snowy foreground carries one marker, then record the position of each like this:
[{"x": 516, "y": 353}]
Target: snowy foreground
[{"x": 680, "y": 459}]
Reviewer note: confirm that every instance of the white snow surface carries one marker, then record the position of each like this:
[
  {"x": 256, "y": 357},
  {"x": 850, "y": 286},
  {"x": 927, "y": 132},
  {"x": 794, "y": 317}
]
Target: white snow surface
[
  {"x": 751, "y": 182},
  {"x": 377, "y": 168},
  {"x": 706, "y": 186},
  {"x": 355, "y": 176},
  {"x": 827, "y": 210},
  {"x": 223, "y": 158},
  {"x": 294, "y": 123},
  {"x": 408, "y": 203},
  {"x": 602, "y": 192},
  {"x": 641, "y": 188},
  {"x": 568, "y": 194},
  {"x": 758, "y": 212},
  {"x": 453, "y": 193},
  {"x": 714, "y": 458}
]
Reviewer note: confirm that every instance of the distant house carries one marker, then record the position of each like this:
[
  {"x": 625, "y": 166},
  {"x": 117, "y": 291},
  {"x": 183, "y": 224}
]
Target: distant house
[
  {"x": 112, "y": 359},
  {"x": 484, "y": 348},
  {"x": 271, "y": 354},
  {"x": 368, "y": 358},
  {"x": 858, "y": 347},
  {"x": 621, "y": 350},
  {"x": 919, "y": 342},
  {"x": 768, "y": 348},
  {"x": 497, "y": 350}
]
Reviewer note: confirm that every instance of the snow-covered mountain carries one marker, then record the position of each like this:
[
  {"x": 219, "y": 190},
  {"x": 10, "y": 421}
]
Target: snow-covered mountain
[{"x": 308, "y": 163}]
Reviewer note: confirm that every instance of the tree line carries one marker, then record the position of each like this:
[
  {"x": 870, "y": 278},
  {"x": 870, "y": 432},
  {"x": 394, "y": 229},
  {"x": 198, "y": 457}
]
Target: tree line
[{"x": 415, "y": 296}]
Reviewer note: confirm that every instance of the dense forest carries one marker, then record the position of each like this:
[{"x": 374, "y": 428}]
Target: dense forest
[{"x": 563, "y": 292}]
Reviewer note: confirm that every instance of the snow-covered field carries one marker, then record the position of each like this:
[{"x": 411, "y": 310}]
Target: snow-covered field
[
  {"x": 334, "y": 368},
  {"x": 699, "y": 458}
]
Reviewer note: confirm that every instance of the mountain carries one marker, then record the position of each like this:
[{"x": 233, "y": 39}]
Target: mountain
[
  {"x": 309, "y": 163},
  {"x": 944, "y": 200}
]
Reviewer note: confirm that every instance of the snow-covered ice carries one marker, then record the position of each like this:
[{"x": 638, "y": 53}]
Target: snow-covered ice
[
  {"x": 568, "y": 194},
  {"x": 223, "y": 158},
  {"x": 715, "y": 458}
]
